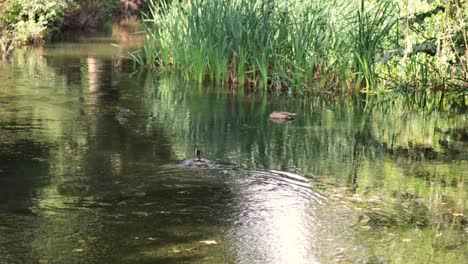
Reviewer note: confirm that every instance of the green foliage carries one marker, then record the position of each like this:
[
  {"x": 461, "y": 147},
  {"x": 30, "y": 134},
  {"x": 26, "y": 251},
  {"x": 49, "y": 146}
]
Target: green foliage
[
  {"x": 432, "y": 49},
  {"x": 29, "y": 19},
  {"x": 372, "y": 27},
  {"x": 308, "y": 46},
  {"x": 11, "y": 12},
  {"x": 30, "y": 31},
  {"x": 259, "y": 43},
  {"x": 48, "y": 12}
]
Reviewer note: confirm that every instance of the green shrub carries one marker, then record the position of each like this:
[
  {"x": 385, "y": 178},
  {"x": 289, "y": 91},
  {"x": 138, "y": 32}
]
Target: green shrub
[{"x": 29, "y": 19}]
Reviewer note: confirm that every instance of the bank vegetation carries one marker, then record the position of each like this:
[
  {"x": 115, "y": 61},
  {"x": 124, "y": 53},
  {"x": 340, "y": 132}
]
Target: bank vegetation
[{"x": 303, "y": 47}]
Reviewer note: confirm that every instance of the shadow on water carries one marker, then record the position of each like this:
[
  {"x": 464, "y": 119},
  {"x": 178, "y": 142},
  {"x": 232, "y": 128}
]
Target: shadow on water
[{"x": 88, "y": 170}]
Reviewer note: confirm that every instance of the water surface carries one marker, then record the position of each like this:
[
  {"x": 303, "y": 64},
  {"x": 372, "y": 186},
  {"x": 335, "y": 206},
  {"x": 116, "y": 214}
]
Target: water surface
[{"x": 89, "y": 155}]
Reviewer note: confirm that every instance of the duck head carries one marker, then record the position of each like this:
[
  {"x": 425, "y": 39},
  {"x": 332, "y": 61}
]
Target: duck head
[{"x": 197, "y": 155}]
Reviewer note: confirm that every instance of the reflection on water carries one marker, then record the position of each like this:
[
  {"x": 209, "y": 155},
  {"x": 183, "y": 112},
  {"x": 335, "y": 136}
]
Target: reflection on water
[
  {"x": 88, "y": 170},
  {"x": 272, "y": 215}
]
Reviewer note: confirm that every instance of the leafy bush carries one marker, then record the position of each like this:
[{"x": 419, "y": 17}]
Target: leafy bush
[
  {"x": 48, "y": 12},
  {"x": 30, "y": 31},
  {"x": 29, "y": 19},
  {"x": 11, "y": 12}
]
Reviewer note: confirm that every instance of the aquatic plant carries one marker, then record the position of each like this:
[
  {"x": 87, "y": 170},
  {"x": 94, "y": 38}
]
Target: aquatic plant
[
  {"x": 248, "y": 43},
  {"x": 372, "y": 27},
  {"x": 309, "y": 46}
]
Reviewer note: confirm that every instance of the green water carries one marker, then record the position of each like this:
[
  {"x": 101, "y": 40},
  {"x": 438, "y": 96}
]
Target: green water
[{"x": 89, "y": 171}]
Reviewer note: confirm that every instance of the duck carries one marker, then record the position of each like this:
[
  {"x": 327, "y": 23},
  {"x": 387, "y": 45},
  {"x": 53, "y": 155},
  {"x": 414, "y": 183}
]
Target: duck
[
  {"x": 198, "y": 161},
  {"x": 282, "y": 116},
  {"x": 197, "y": 158}
]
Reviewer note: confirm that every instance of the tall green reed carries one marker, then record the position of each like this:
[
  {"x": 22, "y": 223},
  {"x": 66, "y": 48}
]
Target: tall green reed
[
  {"x": 372, "y": 26},
  {"x": 260, "y": 44}
]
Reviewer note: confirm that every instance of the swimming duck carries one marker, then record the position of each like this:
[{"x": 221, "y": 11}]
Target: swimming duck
[
  {"x": 282, "y": 116},
  {"x": 198, "y": 161}
]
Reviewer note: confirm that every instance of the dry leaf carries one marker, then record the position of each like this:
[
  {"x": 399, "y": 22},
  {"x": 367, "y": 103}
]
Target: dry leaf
[{"x": 209, "y": 242}]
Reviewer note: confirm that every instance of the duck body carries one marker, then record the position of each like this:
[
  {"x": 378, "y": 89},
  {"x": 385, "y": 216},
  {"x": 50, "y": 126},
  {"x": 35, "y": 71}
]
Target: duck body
[
  {"x": 282, "y": 116},
  {"x": 197, "y": 162}
]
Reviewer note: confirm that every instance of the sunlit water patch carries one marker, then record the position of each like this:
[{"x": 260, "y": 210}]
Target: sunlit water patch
[{"x": 272, "y": 214}]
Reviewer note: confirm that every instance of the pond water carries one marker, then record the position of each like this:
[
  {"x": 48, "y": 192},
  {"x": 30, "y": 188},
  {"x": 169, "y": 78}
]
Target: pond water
[{"x": 89, "y": 173}]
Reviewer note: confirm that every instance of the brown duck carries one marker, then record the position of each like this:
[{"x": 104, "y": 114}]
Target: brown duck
[
  {"x": 198, "y": 161},
  {"x": 282, "y": 116}
]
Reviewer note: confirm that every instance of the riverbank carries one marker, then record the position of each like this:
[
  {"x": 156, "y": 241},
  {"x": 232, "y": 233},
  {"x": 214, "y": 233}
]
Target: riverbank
[{"x": 31, "y": 23}]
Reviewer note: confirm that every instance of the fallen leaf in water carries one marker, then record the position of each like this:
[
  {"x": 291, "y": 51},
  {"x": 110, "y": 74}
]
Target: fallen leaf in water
[
  {"x": 339, "y": 251},
  {"x": 174, "y": 250},
  {"x": 77, "y": 250},
  {"x": 365, "y": 219},
  {"x": 209, "y": 242},
  {"x": 406, "y": 240},
  {"x": 104, "y": 204}
]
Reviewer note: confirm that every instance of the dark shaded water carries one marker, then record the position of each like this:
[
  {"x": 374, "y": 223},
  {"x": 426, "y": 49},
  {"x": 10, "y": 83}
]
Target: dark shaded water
[{"x": 89, "y": 154}]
